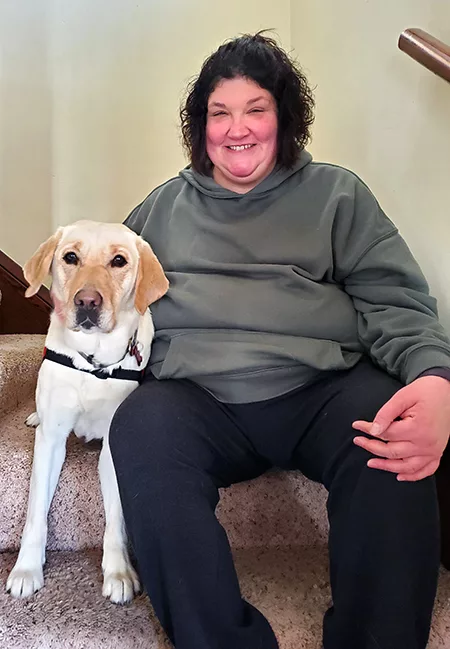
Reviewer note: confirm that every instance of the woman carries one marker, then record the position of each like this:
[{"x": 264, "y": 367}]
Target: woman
[{"x": 296, "y": 314}]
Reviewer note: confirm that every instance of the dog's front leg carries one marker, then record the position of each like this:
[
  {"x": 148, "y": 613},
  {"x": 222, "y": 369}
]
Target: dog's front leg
[
  {"x": 49, "y": 452},
  {"x": 120, "y": 581}
]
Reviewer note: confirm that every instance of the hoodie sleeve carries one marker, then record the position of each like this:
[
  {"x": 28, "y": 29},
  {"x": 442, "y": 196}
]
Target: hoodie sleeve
[
  {"x": 140, "y": 217},
  {"x": 135, "y": 220},
  {"x": 397, "y": 318}
]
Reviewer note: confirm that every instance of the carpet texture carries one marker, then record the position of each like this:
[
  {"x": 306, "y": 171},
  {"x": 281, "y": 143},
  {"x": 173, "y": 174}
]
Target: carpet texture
[
  {"x": 289, "y": 585},
  {"x": 276, "y": 525},
  {"x": 280, "y": 508},
  {"x": 20, "y": 356}
]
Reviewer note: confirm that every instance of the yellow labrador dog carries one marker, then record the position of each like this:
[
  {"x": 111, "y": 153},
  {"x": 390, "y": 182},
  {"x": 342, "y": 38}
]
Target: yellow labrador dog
[{"x": 104, "y": 277}]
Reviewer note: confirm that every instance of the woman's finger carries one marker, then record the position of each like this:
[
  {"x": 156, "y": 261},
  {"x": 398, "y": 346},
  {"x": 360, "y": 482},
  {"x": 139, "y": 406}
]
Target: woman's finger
[
  {"x": 410, "y": 465},
  {"x": 390, "y": 450},
  {"x": 425, "y": 472}
]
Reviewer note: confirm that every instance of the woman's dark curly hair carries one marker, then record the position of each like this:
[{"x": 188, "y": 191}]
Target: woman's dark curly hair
[{"x": 256, "y": 57}]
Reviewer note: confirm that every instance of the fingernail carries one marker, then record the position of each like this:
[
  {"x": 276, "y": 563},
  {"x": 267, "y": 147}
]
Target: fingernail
[{"x": 375, "y": 430}]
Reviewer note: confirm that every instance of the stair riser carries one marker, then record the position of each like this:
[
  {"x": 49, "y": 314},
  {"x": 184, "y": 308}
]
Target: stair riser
[{"x": 275, "y": 510}]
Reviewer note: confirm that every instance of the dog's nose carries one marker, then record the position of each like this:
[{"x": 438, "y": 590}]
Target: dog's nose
[{"x": 88, "y": 299}]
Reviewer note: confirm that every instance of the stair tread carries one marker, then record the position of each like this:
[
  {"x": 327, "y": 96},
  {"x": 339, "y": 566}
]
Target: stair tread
[
  {"x": 76, "y": 514},
  {"x": 289, "y": 585},
  {"x": 20, "y": 357},
  {"x": 70, "y": 610},
  {"x": 20, "y": 343},
  {"x": 280, "y": 508}
]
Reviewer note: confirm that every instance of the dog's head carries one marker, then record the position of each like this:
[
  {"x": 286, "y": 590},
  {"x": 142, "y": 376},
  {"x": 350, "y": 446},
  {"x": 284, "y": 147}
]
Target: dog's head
[{"x": 98, "y": 270}]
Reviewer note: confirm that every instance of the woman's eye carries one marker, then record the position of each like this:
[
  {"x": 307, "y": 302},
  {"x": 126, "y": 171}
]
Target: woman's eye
[
  {"x": 257, "y": 110},
  {"x": 71, "y": 258},
  {"x": 119, "y": 261}
]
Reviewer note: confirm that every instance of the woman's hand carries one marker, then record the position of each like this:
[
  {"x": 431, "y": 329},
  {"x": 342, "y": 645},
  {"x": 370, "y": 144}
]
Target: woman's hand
[{"x": 411, "y": 430}]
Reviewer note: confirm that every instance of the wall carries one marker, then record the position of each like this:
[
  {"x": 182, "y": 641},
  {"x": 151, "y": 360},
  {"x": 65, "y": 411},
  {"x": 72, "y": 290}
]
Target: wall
[
  {"x": 25, "y": 127},
  {"x": 89, "y": 96},
  {"x": 93, "y": 90},
  {"x": 383, "y": 115}
]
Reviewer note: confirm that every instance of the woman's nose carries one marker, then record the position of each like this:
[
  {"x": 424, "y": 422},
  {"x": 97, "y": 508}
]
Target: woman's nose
[{"x": 238, "y": 128}]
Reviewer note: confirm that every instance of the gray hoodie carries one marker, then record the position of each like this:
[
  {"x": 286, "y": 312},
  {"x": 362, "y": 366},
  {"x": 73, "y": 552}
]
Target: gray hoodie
[{"x": 301, "y": 275}]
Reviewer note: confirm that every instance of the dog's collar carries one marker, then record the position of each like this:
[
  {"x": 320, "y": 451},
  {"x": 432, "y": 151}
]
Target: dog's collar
[
  {"x": 98, "y": 370},
  {"x": 132, "y": 349}
]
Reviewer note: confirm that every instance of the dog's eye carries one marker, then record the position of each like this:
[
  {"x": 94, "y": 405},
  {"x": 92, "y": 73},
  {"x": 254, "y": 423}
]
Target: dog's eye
[
  {"x": 71, "y": 258},
  {"x": 119, "y": 261}
]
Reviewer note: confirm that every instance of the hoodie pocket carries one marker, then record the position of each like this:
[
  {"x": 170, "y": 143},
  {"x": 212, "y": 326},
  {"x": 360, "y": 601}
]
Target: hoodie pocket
[{"x": 217, "y": 353}]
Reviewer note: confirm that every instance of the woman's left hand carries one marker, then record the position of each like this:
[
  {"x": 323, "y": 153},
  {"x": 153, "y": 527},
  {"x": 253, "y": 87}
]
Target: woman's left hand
[{"x": 411, "y": 430}]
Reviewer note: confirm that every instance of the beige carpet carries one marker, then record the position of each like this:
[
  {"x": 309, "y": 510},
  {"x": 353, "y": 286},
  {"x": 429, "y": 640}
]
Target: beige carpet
[
  {"x": 19, "y": 361},
  {"x": 277, "y": 525},
  {"x": 289, "y": 585},
  {"x": 280, "y": 508}
]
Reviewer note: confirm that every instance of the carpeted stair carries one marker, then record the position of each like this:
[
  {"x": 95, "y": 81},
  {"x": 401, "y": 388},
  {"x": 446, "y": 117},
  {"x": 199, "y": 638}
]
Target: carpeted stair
[{"x": 276, "y": 525}]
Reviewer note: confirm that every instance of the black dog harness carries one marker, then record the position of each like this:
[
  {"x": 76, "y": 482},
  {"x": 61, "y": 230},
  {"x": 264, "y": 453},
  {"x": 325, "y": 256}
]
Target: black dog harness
[{"x": 99, "y": 371}]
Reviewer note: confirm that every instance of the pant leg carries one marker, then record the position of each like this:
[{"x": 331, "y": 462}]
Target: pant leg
[
  {"x": 384, "y": 534},
  {"x": 173, "y": 446}
]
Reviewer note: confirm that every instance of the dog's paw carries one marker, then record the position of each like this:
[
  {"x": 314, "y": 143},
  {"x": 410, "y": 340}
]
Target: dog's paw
[
  {"x": 32, "y": 420},
  {"x": 121, "y": 587},
  {"x": 23, "y": 583}
]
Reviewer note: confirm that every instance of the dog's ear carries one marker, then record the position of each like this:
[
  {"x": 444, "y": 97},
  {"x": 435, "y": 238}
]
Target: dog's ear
[
  {"x": 38, "y": 267},
  {"x": 151, "y": 283}
]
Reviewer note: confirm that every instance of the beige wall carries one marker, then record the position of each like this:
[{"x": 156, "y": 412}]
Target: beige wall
[
  {"x": 89, "y": 94},
  {"x": 25, "y": 127},
  {"x": 92, "y": 92},
  {"x": 383, "y": 115}
]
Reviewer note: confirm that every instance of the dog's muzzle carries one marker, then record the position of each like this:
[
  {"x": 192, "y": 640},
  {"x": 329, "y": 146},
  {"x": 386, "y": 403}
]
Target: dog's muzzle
[{"x": 88, "y": 305}]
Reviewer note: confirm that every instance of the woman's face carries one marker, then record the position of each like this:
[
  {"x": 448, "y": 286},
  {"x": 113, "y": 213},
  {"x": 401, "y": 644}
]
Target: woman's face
[{"x": 241, "y": 133}]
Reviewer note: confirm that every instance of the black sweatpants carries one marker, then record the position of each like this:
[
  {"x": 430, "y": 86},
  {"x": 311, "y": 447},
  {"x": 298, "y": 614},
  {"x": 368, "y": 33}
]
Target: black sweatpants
[{"x": 174, "y": 445}]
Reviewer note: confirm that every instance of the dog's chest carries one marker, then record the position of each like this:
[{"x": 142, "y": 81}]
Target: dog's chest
[{"x": 97, "y": 405}]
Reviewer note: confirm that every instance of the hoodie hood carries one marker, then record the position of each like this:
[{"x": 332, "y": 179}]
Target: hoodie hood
[{"x": 208, "y": 186}]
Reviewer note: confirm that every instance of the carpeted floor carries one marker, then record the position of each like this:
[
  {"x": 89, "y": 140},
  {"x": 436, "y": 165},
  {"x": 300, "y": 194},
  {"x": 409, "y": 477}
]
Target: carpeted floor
[
  {"x": 277, "y": 525},
  {"x": 290, "y": 585}
]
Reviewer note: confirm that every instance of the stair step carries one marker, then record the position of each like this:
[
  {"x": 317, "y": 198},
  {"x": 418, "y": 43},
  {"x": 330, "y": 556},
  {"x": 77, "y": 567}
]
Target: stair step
[
  {"x": 278, "y": 509},
  {"x": 20, "y": 357},
  {"x": 289, "y": 585},
  {"x": 70, "y": 612}
]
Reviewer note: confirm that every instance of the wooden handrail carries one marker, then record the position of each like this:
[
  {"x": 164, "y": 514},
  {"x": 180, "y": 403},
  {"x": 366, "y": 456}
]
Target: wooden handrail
[{"x": 427, "y": 50}]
